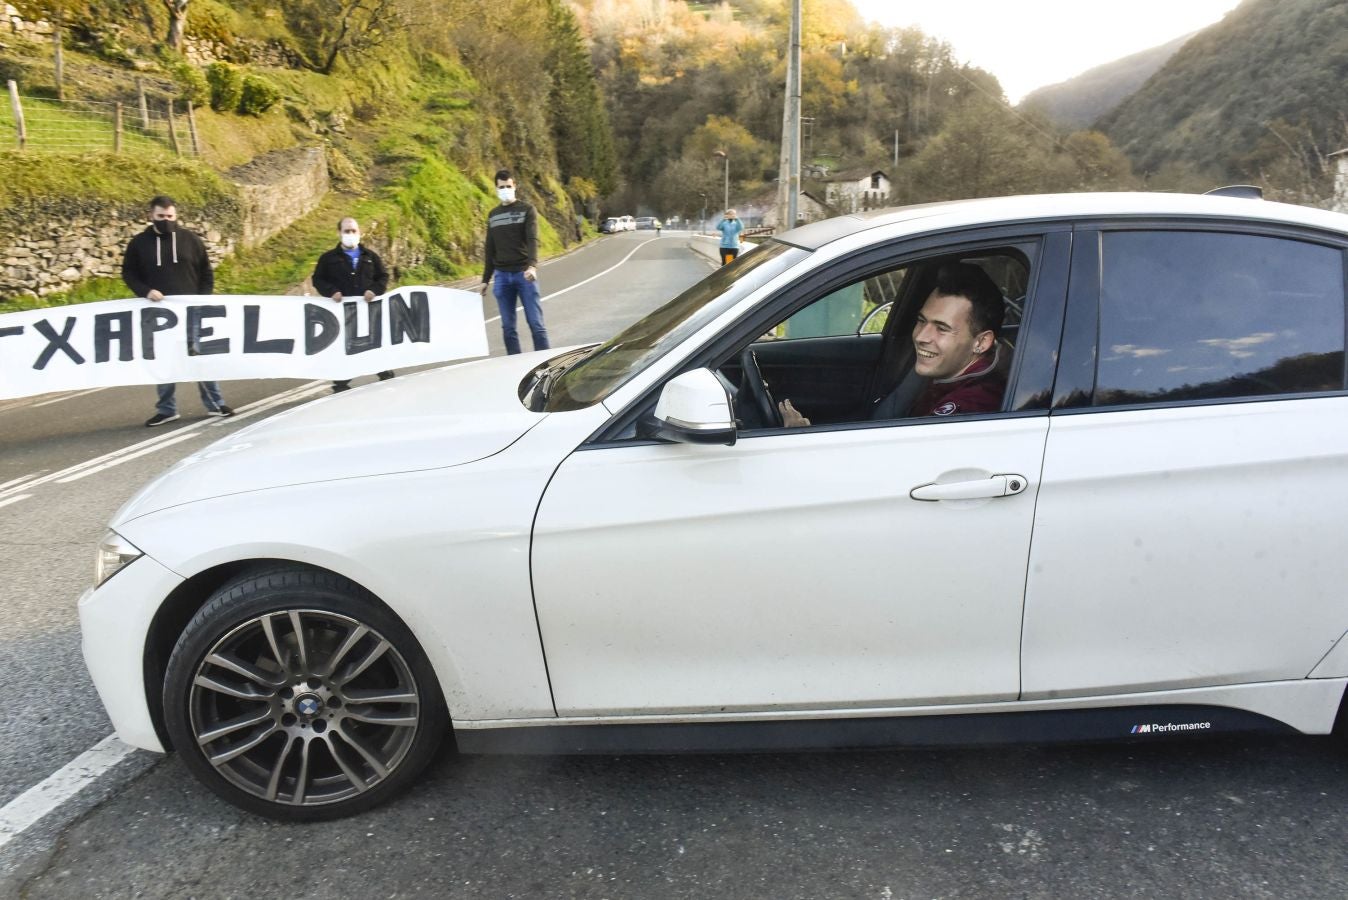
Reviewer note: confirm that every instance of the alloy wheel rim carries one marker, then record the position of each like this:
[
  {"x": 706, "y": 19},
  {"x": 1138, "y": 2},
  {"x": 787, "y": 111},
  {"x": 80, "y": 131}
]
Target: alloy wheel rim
[{"x": 304, "y": 707}]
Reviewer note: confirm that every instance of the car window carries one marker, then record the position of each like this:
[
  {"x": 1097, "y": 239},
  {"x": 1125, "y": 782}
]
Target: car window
[
  {"x": 844, "y": 310},
  {"x": 1201, "y": 315},
  {"x": 612, "y": 363},
  {"x": 837, "y": 363}
]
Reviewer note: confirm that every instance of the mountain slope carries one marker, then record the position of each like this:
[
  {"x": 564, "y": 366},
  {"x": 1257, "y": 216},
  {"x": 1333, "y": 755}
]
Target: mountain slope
[
  {"x": 1213, "y": 102},
  {"x": 1079, "y": 101}
]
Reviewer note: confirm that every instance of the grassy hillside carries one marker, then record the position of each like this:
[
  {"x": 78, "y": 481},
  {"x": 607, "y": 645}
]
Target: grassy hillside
[
  {"x": 413, "y": 128},
  {"x": 1218, "y": 103}
]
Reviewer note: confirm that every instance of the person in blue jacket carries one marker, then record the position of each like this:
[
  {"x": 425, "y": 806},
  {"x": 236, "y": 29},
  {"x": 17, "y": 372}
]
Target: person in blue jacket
[{"x": 730, "y": 227}]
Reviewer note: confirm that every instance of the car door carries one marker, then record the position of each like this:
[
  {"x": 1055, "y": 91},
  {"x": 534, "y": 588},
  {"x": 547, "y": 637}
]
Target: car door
[
  {"x": 1190, "y": 515},
  {"x": 796, "y": 569}
]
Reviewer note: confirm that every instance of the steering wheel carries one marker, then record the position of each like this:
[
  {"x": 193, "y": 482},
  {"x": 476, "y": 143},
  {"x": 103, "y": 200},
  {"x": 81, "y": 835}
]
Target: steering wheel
[{"x": 752, "y": 382}]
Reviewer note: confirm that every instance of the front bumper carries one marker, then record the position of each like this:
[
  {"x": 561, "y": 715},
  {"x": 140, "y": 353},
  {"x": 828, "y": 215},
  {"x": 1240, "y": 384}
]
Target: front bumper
[{"x": 115, "y": 621}]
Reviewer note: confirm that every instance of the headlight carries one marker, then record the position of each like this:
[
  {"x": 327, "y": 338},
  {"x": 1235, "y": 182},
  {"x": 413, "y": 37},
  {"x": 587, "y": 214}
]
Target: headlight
[{"x": 113, "y": 554}]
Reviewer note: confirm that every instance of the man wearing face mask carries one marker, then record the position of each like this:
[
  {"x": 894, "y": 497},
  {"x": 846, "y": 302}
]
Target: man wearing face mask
[
  {"x": 165, "y": 260},
  {"x": 347, "y": 271},
  {"x": 512, "y": 256}
]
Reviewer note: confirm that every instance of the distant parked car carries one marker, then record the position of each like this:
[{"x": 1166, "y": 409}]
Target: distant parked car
[
  {"x": 610, "y": 225},
  {"x": 628, "y": 223},
  {"x": 645, "y": 223}
]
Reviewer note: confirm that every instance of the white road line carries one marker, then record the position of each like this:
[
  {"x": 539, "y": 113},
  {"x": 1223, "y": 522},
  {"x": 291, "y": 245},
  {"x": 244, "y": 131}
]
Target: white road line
[
  {"x": 8, "y": 500},
  {"x": 92, "y": 470},
  {"x": 19, "y": 814},
  {"x": 19, "y": 480},
  {"x": 278, "y": 400},
  {"x": 99, "y": 463},
  {"x": 71, "y": 396},
  {"x": 587, "y": 280}
]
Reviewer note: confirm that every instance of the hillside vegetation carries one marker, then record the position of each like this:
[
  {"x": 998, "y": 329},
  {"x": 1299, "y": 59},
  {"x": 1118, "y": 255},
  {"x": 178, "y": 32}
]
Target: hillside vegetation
[
  {"x": 417, "y": 105},
  {"x": 609, "y": 107},
  {"x": 1079, "y": 101},
  {"x": 684, "y": 80},
  {"x": 1258, "y": 96}
]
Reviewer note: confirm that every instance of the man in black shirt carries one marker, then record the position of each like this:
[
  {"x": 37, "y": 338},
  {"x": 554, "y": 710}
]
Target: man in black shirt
[
  {"x": 165, "y": 260},
  {"x": 350, "y": 270},
  {"x": 512, "y": 256}
]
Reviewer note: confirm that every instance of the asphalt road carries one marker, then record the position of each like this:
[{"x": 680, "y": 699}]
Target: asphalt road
[{"x": 1224, "y": 818}]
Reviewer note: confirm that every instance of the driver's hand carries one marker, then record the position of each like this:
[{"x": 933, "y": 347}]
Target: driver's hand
[{"x": 791, "y": 416}]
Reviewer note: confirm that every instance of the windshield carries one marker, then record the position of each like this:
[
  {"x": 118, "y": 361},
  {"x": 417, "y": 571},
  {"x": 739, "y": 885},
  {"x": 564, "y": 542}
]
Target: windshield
[{"x": 611, "y": 364}]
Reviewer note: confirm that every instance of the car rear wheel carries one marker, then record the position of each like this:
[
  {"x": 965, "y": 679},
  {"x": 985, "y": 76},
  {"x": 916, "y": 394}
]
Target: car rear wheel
[{"x": 295, "y": 694}]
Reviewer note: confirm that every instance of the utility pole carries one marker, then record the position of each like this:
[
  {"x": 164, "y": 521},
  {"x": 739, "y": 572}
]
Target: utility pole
[
  {"x": 788, "y": 180},
  {"x": 726, "y": 157},
  {"x": 793, "y": 101}
]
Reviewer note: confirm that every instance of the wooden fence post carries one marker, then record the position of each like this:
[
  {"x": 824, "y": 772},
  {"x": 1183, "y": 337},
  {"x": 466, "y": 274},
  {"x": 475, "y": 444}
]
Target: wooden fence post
[
  {"x": 58, "y": 59},
  {"x": 117, "y": 128},
  {"x": 144, "y": 106},
  {"x": 18, "y": 112},
  {"x": 173, "y": 131},
  {"x": 192, "y": 129}
]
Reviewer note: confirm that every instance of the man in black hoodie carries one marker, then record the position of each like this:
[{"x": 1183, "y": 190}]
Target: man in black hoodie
[
  {"x": 165, "y": 260},
  {"x": 348, "y": 271}
]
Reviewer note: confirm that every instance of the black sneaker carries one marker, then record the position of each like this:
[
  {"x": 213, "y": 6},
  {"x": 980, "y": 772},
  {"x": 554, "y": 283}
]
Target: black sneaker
[
  {"x": 222, "y": 411},
  {"x": 385, "y": 376},
  {"x": 160, "y": 419}
]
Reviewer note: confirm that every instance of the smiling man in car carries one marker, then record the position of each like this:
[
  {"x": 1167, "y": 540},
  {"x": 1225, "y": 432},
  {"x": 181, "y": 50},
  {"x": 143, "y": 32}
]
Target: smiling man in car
[
  {"x": 955, "y": 339},
  {"x": 956, "y": 342}
]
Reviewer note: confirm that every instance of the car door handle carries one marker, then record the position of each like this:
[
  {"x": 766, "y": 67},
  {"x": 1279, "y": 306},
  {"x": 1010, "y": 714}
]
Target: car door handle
[{"x": 992, "y": 486}]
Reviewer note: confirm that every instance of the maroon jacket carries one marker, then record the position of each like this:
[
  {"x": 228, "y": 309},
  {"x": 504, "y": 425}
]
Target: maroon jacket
[{"x": 978, "y": 389}]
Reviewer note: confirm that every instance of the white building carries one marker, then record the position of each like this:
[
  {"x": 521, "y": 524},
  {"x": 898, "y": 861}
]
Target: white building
[
  {"x": 1340, "y": 158},
  {"x": 856, "y": 190}
]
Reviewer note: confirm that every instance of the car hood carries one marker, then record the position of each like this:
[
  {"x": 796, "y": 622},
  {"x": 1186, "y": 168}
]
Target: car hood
[{"x": 426, "y": 420}]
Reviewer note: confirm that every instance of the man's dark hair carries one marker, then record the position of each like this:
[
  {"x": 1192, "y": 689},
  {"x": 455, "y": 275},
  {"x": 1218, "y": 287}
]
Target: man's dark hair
[
  {"x": 162, "y": 201},
  {"x": 503, "y": 175},
  {"x": 973, "y": 284}
]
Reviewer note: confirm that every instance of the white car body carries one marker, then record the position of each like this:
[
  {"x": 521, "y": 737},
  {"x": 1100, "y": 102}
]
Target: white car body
[{"x": 1176, "y": 564}]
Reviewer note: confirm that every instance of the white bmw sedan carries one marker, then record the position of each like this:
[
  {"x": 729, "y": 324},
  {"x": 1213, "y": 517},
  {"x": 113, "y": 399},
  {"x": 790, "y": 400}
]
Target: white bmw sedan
[{"x": 1034, "y": 468}]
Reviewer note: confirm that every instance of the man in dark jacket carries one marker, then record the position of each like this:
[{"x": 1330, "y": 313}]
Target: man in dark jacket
[
  {"x": 512, "y": 256},
  {"x": 350, "y": 270},
  {"x": 165, "y": 260}
]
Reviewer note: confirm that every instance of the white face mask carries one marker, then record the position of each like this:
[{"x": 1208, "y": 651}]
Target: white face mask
[
  {"x": 507, "y": 194},
  {"x": 350, "y": 241}
]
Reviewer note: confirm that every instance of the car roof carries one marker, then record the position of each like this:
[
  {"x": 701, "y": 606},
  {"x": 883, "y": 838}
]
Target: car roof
[{"x": 1047, "y": 207}]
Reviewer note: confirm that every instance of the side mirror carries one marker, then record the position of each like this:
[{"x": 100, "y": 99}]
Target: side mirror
[{"x": 694, "y": 408}]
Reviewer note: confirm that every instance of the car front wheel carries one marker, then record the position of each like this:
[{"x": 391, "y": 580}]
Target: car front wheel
[{"x": 295, "y": 694}]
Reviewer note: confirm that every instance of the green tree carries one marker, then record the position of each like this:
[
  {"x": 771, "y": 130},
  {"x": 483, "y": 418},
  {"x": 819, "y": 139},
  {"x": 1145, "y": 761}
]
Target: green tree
[{"x": 580, "y": 127}]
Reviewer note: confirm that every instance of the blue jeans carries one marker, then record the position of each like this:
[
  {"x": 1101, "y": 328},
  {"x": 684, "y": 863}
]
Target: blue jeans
[
  {"x": 512, "y": 287},
  {"x": 211, "y": 397}
]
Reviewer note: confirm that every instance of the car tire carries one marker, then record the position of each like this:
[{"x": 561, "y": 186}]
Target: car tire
[{"x": 295, "y": 694}]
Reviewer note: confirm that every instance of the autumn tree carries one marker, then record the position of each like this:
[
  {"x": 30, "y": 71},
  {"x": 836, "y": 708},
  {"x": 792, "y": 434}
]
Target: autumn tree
[
  {"x": 177, "y": 11},
  {"x": 333, "y": 28}
]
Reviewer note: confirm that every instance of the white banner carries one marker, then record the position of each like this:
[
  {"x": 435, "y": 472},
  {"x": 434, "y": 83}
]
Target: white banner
[{"x": 219, "y": 338}]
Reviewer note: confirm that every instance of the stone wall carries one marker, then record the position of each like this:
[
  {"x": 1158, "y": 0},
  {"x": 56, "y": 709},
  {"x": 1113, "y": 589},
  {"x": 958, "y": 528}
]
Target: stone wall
[
  {"x": 33, "y": 29},
  {"x": 277, "y": 188},
  {"x": 198, "y": 50},
  {"x": 64, "y": 243},
  {"x": 202, "y": 51},
  {"x": 49, "y": 246}
]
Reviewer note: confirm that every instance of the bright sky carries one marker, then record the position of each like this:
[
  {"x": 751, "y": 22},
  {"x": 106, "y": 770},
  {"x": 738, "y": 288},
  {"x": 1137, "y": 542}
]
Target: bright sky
[{"x": 1037, "y": 42}]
